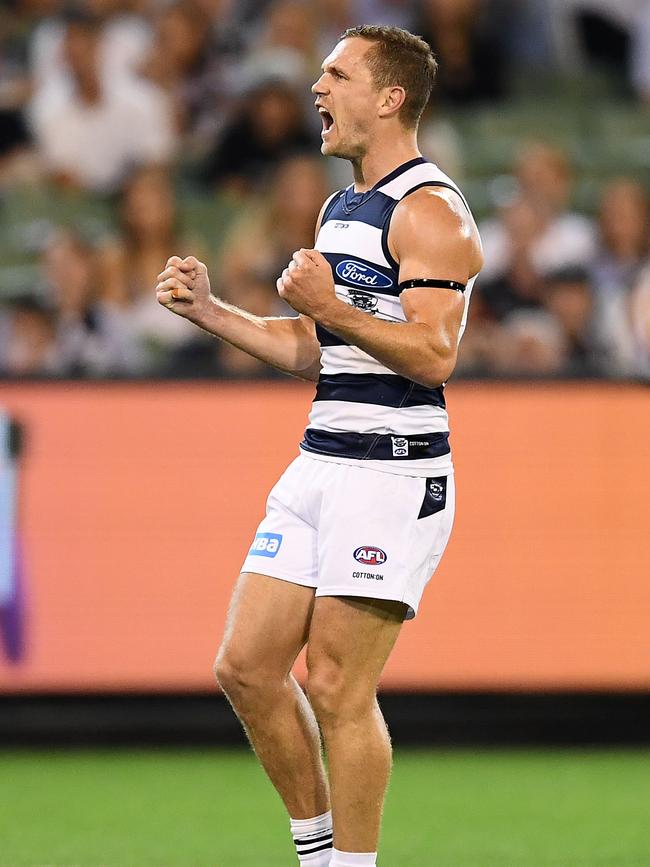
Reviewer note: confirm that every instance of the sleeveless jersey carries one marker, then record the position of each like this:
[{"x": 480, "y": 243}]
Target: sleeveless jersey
[{"x": 363, "y": 412}]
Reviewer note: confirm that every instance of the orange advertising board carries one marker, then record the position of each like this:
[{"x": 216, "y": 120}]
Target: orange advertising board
[{"x": 137, "y": 503}]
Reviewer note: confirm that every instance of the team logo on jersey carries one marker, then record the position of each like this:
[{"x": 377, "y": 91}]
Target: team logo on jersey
[
  {"x": 362, "y": 275},
  {"x": 363, "y": 300},
  {"x": 266, "y": 544},
  {"x": 370, "y": 556},
  {"x": 400, "y": 447}
]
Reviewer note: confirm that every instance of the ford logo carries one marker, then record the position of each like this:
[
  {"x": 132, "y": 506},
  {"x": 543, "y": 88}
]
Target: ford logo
[
  {"x": 370, "y": 555},
  {"x": 362, "y": 275}
]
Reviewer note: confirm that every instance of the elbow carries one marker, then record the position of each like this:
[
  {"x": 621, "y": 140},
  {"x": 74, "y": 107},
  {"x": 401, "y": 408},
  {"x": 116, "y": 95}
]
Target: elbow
[{"x": 436, "y": 371}]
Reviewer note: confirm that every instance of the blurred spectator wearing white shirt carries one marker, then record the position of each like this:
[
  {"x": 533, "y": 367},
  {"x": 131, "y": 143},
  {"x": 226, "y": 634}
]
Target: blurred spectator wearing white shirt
[
  {"x": 125, "y": 41},
  {"x": 564, "y": 238},
  {"x": 93, "y": 131}
]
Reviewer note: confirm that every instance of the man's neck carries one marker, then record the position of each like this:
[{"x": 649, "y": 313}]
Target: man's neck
[{"x": 381, "y": 161}]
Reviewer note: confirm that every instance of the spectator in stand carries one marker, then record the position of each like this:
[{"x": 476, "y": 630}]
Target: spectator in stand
[
  {"x": 91, "y": 135},
  {"x": 638, "y": 352},
  {"x": 520, "y": 284},
  {"x": 524, "y": 322},
  {"x": 470, "y": 51},
  {"x": 285, "y": 46},
  {"x": 620, "y": 274},
  {"x": 16, "y": 158},
  {"x": 129, "y": 268},
  {"x": 614, "y": 36},
  {"x": 190, "y": 64},
  {"x": 29, "y": 346},
  {"x": 530, "y": 343},
  {"x": 259, "y": 245},
  {"x": 270, "y": 124},
  {"x": 125, "y": 40},
  {"x": 624, "y": 223},
  {"x": 568, "y": 296},
  {"x": 564, "y": 238},
  {"x": 90, "y": 342}
]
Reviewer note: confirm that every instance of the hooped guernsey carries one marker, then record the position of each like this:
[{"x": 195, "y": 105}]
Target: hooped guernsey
[{"x": 363, "y": 413}]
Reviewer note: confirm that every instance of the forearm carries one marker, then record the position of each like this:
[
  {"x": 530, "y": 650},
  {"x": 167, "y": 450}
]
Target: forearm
[
  {"x": 282, "y": 342},
  {"x": 411, "y": 349}
]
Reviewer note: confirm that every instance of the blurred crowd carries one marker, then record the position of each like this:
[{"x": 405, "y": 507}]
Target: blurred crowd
[{"x": 153, "y": 108}]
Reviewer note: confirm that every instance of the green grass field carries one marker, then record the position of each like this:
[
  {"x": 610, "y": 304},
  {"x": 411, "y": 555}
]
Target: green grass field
[{"x": 172, "y": 808}]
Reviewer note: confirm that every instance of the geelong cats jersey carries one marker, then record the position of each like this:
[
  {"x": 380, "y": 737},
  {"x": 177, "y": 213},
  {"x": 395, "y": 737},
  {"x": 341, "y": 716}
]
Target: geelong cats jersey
[{"x": 363, "y": 412}]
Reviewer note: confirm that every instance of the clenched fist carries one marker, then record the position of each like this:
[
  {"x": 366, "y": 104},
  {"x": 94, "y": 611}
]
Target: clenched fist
[
  {"x": 307, "y": 283},
  {"x": 184, "y": 287}
]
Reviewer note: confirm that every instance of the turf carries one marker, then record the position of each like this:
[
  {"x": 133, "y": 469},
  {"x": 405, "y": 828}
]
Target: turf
[{"x": 215, "y": 809}]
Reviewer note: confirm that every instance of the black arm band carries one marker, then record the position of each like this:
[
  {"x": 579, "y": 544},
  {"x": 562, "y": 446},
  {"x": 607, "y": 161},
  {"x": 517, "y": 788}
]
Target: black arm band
[{"x": 434, "y": 284}]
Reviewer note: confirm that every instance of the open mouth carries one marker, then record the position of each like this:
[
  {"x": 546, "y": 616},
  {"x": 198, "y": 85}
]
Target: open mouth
[{"x": 327, "y": 119}]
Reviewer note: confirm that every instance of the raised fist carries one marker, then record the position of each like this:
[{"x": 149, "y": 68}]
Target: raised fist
[{"x": 184, "y": 287}]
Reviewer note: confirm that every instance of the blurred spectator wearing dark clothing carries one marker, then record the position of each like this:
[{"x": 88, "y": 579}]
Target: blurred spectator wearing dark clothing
[
  {"x": 520, "y": 285},
  {"x": 14, "y": 143},
  {"x": 16, "y": 163},
  {"x": 568, "y": 296},
  {"x": 471, "y": 55},
  {"x": 270, "y": 125},
  {"x": 612, "y": 36}
]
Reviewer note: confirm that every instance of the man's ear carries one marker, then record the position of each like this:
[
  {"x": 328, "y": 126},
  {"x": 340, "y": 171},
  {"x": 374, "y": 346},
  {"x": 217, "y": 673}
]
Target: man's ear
[{"x": 393, "y": 100}]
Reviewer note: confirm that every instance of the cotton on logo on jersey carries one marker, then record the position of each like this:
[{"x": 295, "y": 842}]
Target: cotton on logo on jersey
[
  {"x": 362, "y": 275},
  {"x": 370, "y": 556},
  {"x": 266, "y": 544}
]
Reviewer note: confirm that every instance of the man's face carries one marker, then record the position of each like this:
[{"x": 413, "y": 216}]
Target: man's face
[{"x": 347, "y": 100}]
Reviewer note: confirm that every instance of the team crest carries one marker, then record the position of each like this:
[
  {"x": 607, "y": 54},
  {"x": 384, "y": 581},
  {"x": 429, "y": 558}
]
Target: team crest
[{"x": 363, "y": 301}]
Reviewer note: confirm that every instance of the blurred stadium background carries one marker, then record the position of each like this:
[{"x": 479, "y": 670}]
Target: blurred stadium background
[{"x": 134, "y": 129}]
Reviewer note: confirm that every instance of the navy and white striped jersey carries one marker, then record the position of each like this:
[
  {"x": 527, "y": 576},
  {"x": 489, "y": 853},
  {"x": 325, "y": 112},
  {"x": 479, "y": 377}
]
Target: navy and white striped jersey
[{"x": 363, "y": 411}]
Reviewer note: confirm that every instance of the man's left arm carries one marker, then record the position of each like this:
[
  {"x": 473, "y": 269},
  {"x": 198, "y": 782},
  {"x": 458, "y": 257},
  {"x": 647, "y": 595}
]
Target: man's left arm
[{"x": 432, "y": 237}]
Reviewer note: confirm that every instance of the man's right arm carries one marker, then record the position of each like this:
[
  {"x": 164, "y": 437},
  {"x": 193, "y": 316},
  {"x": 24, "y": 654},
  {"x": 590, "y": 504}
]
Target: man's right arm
[{"x": 287, "y": 343}]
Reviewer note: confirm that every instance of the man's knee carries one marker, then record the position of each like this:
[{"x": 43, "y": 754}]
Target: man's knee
[
  {"x": 238, "y": 677},
  {"x": 333, "y": 699}
]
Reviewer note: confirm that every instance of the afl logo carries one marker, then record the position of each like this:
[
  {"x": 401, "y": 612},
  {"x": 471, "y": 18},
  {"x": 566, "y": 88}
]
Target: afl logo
[
  {"x": 370, "y": 555},
  {"x": 362, "y": 275}
]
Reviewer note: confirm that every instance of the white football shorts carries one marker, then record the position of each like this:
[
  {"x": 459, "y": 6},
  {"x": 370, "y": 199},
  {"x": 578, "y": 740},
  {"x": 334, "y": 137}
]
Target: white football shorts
[{"x": 351, "y": 531}]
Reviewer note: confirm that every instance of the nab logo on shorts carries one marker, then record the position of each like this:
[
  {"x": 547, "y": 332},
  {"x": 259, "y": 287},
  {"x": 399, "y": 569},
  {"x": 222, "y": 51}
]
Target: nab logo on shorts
[
  {"x": 266, "y": 544},
  {"x": 370, "y": 555}
]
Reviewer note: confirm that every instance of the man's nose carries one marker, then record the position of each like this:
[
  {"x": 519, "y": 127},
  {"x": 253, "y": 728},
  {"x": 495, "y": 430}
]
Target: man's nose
[{"x": 318, "y": 87}]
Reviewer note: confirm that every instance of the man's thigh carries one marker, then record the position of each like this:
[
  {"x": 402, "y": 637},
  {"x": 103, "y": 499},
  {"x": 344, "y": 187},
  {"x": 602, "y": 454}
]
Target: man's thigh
[
  {"x": 350, "y": 640},
  {"x": 267, "y": 624},
  {"x": 381, "y": 535}
]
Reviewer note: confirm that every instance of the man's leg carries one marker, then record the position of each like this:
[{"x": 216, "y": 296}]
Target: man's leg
[
  {"x": 267, "y": 627},
  {"x": 350, "y": 640}
]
